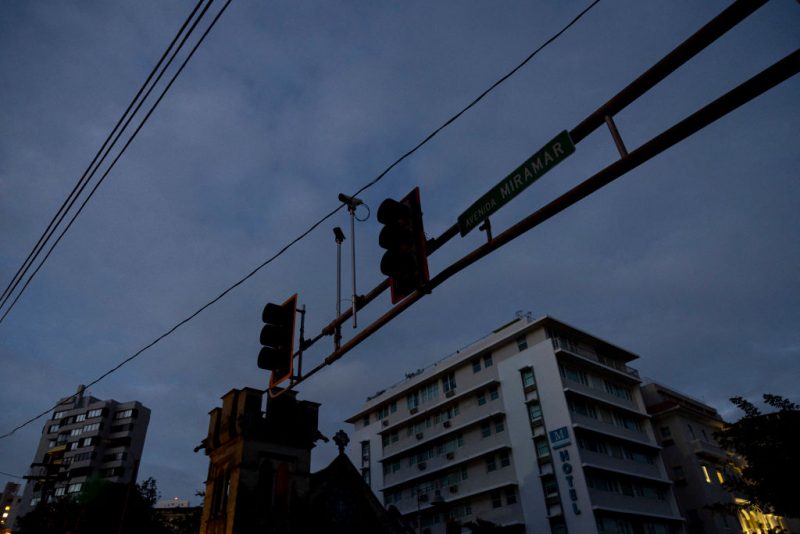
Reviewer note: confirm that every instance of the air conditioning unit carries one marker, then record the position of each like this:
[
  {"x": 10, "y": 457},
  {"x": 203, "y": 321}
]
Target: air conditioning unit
[
  {"x": 413, "y": 410},
  {"x": 454, "y": 488},
  {"x": 447, "y": 424},
  {"x": 419, "y": 435},
  {"x": 450, "y": 393},
  {"x": 385, "y": 422},
  {"x": 422, "y": 466},
  {"x": 451, "y": 455}
]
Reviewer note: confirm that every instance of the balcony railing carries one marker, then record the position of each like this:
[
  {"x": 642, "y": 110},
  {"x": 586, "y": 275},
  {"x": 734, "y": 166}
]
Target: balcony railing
[{"x": 570, "y": 346}]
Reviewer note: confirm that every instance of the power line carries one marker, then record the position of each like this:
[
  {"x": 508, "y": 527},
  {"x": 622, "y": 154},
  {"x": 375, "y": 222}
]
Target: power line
[
  {"x": 319, "y": 222},
  {"x": 78, "y": 188},
  {"x": 10, "y": 475},
  {"x": 125, "y": 146}
]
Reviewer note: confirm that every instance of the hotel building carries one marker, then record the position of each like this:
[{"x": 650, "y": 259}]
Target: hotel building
[
  {"x": 538, "y": 425},
  {"x": 85, "y": 437}
]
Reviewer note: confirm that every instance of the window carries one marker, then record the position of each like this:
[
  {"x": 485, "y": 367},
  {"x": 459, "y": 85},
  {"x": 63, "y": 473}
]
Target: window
[
  {"x": 76, "y": 432},
  {"x": 74, "y": 488},
  {"x": 486, "y": 429},
  {"x": 430, "y": 391},
  {"x": 413, "y": 400},
  {"x": 449, "y": 382},
  {"x": 487, "y": 361},
  {"x": 528, "y": 379},
  {"x": 59, "y": 415},
  {"x": 53, "y": 428},
  {"x": 705, "y": 474},
  {"x": 60, "y": 491},
  {"x": 720, "y": 477},
  {"x": 94, "y": 413},
  {"x": 86, "y": 442},
  {"x": 80, "y": 417},
  {"x": 476, "y": 366},
  {"x": 550, "y": 487},
  {"x": 617, "y": 390},
  {"x": 665, "y": 432},
  {"x": 490, "y": 464},
  {"x": 493, "y": 393},
  {"x": 542, "y": 449},
  {"x": 511, "y": 496},
  {"x": 505, "y": 461},
  {"x": 365, "y": 452},
  {"x": 481, "y": 398},
  {"x": 522, "y": 343},
  {"x": 365, "y": 421},
  {"x": 91, "y": 427},
  {"x": 123, "y": 414},
  {"x": 383, "y": 412},
  {"x": 497, "y": 499},
  {"x": 392, "y": 407},
  {"x": 691, "y": 431},
  {"x": 365, "y": 475},
  {"x": 582, "y": 408},
  {"x": 703, "y": 432},
  {"x": 499, "y": 426},
  {"x": 534, "y": 411},
  {"x": 576, "y": 375}
]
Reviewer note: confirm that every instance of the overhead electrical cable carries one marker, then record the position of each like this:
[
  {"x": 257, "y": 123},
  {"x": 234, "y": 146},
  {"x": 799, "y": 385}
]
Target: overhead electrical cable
[
  {"x": 78, "y": 188},
  {"x": 125, "y": 146},
  {"x": 319, "y": 222}
]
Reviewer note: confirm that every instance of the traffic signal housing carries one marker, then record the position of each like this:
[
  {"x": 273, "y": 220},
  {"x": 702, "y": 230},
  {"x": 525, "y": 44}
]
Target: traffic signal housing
[
  {"x": 277, "y": 338},
  {"x": 405, "y": 261}
]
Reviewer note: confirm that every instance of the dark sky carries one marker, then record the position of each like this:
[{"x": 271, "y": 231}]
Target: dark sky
[{"x": 692, "y": 260}]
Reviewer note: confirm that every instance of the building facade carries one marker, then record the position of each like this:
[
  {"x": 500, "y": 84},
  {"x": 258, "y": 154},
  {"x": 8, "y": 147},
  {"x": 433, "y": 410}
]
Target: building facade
[
  {"x": 537, "y": 425},
  {"x": 86, "y": 437},
  {"x": 699, "y": 467}
]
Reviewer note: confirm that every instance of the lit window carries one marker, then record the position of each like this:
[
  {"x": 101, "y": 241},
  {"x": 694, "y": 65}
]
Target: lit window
[
  {"x": 80, "y": 417},
  {"x": 705, "y": 474},
  {"x": 60, "y": 491},
  {"x": 94, "y": 413},
  {"x": 720, "y": 477}
]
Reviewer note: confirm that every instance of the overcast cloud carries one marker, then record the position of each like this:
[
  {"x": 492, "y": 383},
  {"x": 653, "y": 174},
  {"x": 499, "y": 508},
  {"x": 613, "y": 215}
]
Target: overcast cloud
[{"x": 691, "y": 261}]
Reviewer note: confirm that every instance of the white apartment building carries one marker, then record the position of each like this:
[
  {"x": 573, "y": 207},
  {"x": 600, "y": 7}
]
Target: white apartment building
[
  {"x": 85, "y": 437},
  {"x": 538, "y": 425}
]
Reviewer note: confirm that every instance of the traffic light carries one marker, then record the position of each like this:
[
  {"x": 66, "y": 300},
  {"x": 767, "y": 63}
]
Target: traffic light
[
  {"x": 277, "y": 338},
  {"x": 405, "y": 261}
]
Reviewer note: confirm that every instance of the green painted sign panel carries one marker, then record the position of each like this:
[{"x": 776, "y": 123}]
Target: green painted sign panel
[{"x": 550, "y": 155}]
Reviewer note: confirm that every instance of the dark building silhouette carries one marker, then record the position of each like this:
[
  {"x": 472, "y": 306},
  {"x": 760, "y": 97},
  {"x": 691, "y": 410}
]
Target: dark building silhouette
[{"x": 259, "y": 477}]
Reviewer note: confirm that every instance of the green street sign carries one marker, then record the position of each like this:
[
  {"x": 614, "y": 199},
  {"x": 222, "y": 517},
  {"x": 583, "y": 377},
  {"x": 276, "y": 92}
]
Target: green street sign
[{"x": 550, "y": 155}]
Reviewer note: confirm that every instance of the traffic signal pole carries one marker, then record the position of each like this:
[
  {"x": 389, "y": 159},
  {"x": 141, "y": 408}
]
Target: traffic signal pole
[
  {"x": 755, "y": 86},
  {"x": 701, "y": 39}
]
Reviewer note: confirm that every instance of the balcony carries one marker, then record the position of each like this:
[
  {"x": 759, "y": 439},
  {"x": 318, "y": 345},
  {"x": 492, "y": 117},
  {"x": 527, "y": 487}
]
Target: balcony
[
  {"x": 604, "y": 461},
  {"x": 708, "y": 450},
  {"x": 633, "y": 505},
  {"x": 568, "y": 346},
  {"x": 611, "y": 429}
]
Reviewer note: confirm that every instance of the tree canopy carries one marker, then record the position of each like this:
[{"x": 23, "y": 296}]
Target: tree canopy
[
  {"x": 98, "y": 509},
  {"x": 769, "y": 444}
]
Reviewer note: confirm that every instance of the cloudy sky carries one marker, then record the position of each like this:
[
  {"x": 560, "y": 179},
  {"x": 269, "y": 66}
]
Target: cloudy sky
[{"x": 692, "y": 260}]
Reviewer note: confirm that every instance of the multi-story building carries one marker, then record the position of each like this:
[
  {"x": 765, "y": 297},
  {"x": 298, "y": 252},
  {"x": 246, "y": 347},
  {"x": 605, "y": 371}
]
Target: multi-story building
[
  {"x": 538, "y": 425},
  {"x": 86, "y": 437},
  {"x": 9, "y": 506},
  {"x": 699, "y": 467}
]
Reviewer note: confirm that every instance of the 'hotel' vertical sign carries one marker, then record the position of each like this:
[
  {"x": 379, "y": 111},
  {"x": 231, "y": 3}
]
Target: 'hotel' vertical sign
[{"x": 560, "y": 438}]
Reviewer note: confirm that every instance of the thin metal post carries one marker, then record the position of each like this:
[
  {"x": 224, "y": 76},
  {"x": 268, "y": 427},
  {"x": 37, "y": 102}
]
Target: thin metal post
[
  {"x": 337, "y": 336},
  {"x": 623, "y": 152},
  {"x": 352, "y": 209}
]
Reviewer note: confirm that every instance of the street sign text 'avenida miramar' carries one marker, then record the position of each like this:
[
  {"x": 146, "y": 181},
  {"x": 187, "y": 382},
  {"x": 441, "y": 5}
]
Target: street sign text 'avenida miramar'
[{"x": 542, "y": 161}]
